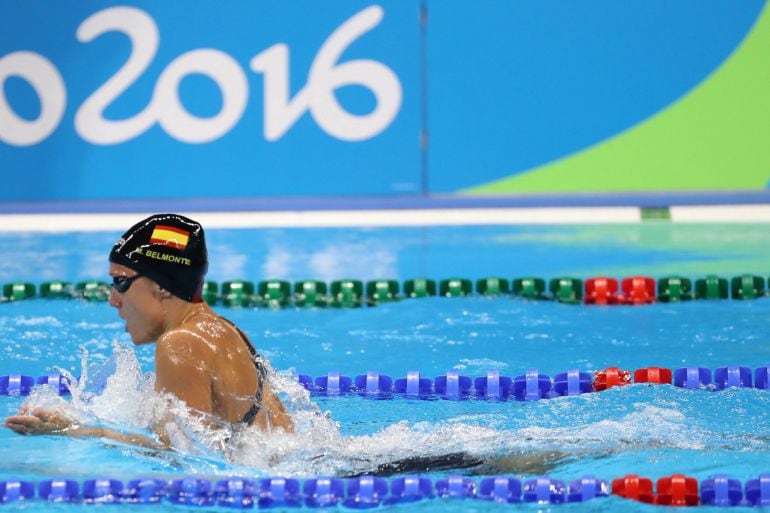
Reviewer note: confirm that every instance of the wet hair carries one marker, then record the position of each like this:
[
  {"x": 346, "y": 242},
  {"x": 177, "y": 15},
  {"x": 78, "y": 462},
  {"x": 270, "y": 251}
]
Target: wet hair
[{"x": 170, "y": 249}]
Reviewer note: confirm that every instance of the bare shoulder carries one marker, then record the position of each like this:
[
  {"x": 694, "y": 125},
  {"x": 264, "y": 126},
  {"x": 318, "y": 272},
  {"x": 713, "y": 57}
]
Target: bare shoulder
[{"x": 184, "y": 344}]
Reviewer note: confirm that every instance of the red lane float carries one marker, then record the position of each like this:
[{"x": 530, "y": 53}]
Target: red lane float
[
  {"x": 615, "y": 377},
  {"x": 634, "y": 487},
  {"x": 653, "y": 375},
  {"x": 634, "y": 290},
  {"x": 611, "y": 377},
  {"x": 675, "y": 490},
  {"x": 601, "y": 291},
  {"x": 638, "y": 290}
]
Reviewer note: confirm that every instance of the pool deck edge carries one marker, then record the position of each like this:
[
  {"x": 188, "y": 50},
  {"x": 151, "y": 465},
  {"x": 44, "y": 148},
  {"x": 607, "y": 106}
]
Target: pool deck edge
[{"x": 449, "y": 210}]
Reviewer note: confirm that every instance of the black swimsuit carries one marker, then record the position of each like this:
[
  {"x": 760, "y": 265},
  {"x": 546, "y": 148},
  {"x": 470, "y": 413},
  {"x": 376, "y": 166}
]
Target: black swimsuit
[{"x": 250, "y": 415}]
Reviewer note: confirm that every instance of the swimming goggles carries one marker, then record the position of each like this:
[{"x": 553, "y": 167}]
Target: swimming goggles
[{"x": 122, "y": 283}]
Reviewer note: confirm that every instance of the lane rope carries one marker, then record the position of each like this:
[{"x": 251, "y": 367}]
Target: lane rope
[
  {"x": 601, "y": 290},
  {"x": 530, "y": 386},
  {"x": 369, "y": 491}
]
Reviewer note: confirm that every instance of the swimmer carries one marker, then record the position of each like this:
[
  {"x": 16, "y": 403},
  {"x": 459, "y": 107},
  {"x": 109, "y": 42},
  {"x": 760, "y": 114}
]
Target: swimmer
[{"x": 157, "y": 269}]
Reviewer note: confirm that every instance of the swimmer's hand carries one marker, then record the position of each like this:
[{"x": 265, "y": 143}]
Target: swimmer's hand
[{"x": 39, "y": 422}]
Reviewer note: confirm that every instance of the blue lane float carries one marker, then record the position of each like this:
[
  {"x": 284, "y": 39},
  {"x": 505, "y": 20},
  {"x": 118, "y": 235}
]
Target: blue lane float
[
  {"x": 58, "y": 382},
  {"x": 324, "y": 492},
  {"x": 732, "y": 377},
  {"x": 102, "y": 491},
  {"x": 572, "y": 382},
  {"x": 692, "y": 377},
  {"x": 762, "y": 377},
  {"x": 500, "y": 489},
  {"x": 373, "y": 384},
  {"x": 235, "y": 493},
  {"x": 409, "y": 489},
  {"x": 59, "y": 490},
  {"x": 721, "y": 491},
  {"x": 367, "y": 491},
  {"x": 758, "y": 491},
  {"x": 586, "y": 489},
  {"x": 531, "y": 386},
  {"x": 279, "y": 492},
  {"x": 145, "y": 491},
  {"x": 332, "y": 384},
  {"x": 493, "y": 386},
  {"x": 453, "y": 386},
  {"x": 545, "y": 490},
  {"x": 456, "y": 487},
  {"x": 12, "y": 491},
  {"x": 413, "y": 385},
  {"x": 16, "y": 385},
  {"x": 191, "y": 491}
]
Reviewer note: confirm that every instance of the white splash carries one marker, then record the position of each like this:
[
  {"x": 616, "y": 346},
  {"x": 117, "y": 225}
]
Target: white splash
[{"x": 117, "y": 394}]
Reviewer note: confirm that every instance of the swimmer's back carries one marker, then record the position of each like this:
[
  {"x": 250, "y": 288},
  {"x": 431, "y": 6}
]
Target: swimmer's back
[{"x": 207, "y": 363}]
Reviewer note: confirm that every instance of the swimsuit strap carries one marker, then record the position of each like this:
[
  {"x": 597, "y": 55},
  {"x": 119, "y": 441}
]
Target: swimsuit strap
[{"x": 250, "y": 415}]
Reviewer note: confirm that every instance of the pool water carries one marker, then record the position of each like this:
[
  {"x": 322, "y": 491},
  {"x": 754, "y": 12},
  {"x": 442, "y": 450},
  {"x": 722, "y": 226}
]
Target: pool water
[{"x": 649, "y": 430}]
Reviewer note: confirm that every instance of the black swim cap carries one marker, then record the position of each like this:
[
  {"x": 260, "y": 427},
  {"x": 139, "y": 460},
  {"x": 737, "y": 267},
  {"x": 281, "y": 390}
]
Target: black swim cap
[{"x": 169, "y": 249}]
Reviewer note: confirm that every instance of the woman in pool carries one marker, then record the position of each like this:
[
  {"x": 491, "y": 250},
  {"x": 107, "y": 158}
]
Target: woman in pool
[{"x": 157, "y": 269}]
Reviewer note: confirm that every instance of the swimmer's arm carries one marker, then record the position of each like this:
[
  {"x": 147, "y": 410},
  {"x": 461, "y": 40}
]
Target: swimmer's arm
[
  {"x": 117, "y": 436},
  {"x": 179, "y": 371},
  {"x": 51, "y": 422}
]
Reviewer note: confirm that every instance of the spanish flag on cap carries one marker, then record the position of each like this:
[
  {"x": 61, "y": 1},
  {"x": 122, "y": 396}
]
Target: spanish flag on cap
[
  {"x": 178, "y": 240},
  {"x": 170, "y": 236}
]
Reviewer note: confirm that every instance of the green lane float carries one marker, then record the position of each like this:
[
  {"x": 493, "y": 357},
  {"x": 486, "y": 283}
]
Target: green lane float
[
  {"x": 455, "y": 287},
  {"x": 493, "y": 286},
  {"x": 18, "y": 291},
  {"x": 93, "y": 290},
  {"x": 747, "y": 286},
  {"x": 274, "y": 293},
  {"x": 711, "y": 287},
  {"x": 310, "y": 293},
  {"x": 419, "y": 287},
  {"x": 238, "y": 293},
  {"x": 381, "y": 291},
  {"x": 347, "y": 293},
  {"x": 350, "y": 293},
  {"x": 57, "y": 290},
  {"x": 210, "y": 292},
  {"x": 566, "y": 290},
  {"x": 674, "y": 288},
  {"x": 529, "y": 288}
]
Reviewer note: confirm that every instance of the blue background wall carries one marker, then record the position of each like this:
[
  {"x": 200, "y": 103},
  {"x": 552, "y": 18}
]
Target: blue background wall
[{"x": 480, "y": 91}]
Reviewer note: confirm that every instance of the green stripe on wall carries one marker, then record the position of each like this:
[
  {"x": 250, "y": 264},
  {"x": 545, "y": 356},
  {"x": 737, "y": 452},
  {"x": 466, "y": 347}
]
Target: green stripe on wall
[{"x": 716, "y": 137}]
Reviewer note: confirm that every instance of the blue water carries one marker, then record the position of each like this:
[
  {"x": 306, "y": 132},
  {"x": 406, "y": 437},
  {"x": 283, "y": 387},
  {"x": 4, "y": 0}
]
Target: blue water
[{"x": 651, "y": 431}]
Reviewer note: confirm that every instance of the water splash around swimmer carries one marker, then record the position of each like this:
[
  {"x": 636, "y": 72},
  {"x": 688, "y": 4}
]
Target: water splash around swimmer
[{"x": 117, "y": 393}]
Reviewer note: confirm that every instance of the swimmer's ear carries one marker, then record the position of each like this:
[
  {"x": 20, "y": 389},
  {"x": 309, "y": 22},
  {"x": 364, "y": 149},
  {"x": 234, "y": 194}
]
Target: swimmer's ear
[{"x": 163, "y": 293}]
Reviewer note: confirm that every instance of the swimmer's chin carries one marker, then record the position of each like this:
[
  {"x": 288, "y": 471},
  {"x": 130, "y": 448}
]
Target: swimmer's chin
[{"x": 137, "y": 340}]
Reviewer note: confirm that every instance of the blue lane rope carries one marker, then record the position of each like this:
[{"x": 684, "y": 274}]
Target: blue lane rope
[
  {"x": 530, "y": 386},
  {"x": 369, "y": 491}
]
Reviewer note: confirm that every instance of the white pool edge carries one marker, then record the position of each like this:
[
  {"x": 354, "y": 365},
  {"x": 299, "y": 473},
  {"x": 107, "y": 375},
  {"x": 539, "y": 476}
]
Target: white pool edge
[{"x": 85, "y": 222}]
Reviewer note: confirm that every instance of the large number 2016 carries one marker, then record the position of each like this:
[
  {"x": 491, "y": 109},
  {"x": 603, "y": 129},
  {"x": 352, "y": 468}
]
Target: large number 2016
[{"x": 165, "y": 108}]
